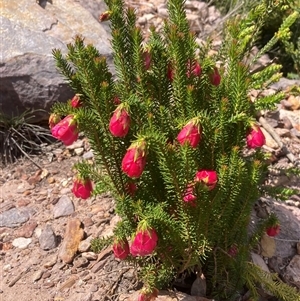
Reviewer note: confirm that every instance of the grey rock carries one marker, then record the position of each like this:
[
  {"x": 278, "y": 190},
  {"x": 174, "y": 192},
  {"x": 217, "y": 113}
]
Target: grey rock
[
  {"x": 21, "y": 242},
  {"x": 88, "y": 155},
  {"x": 48, "y": 239},
  {"x": 63, "y": 207},
  {"x": 29, "y": 78},
  {"x": 292, "y": 273},
  {"x": 15, "y": 217},
  {"x": 283, "y": 83}
]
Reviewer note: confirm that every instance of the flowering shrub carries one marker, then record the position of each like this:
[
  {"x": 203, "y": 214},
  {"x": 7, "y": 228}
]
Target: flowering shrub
[{"x": 171, "y": 133}]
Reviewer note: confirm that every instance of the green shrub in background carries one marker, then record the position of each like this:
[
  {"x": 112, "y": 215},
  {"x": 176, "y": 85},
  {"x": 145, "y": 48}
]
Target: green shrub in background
[
  {"x": 169, "y": 136},
  {"x": 287, "y": 48}
]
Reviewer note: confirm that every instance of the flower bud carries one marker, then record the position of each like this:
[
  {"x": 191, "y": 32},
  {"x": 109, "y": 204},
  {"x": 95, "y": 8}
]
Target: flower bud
[
  {"x": 273, "y": 231},
  {"x": 190, "y": 134},
  {"x": 208, "y": 178},
  {"x": 193, "y": 68},
  {"x": 105, "y": 16},
  {"x": 144, "y": 242},
  {"x": 82, "y": 188},
  {"x": 121, "y": 249},
  {"x": 189, "y": 196},
  {"x": 75, "y": 102},
  {"x": 120, "y": 122},
  {"x": 215, "y": 77},
  {"x": 147, "y": 59},
  {"x": 255, "y": 137},
  {"x": 66, "y": 130},
  {"x": 134, "y": 161},
  {"x": 53, "y": 120}
]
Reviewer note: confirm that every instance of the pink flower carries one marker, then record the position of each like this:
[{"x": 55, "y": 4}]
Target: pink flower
[
  {"x": 208, "y": 178},
  {"x": 53, "y": 120},
  {"x": 121, "y": 249},
  {"x": 144, "y": 243},
  {"x": 66, "y": 130},
  {"x": 82, "y": 188},
  {"x": 75, "y": 102},
  {"x": 120, "y": 122},
  {"x": 116, "y": 100},
  {"x": 193, "y": 68},
  {"x": 147, "y": 59},
  {"x": 190, "y": 134},
  {"x": 134, "y": 161},
  {"x": 215, "y": 77},
  {"x": 148, "y": 296},
  {"x": 273, "y": 231},
  {"x": 255, "y": 137},
  {"x": 189, "y": 196}
]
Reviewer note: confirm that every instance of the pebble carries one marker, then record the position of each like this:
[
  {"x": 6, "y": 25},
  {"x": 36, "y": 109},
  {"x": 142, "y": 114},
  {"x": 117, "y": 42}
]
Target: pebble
[
  {"x": 73, "y": 235},
  {"x": 37, "y": 275},
  {"x": 51, "y": 261},
  {"x": 47, "y": 239},
  {"x": 14, "y": 217},
  {"x": 89, "y": 255},
  {"x": 85, "y": 245},
  {"x": 63, "y": 207},
  {"x": 94, "y": 288},
  {"x": 21, "y": 242},
  {"x": 26, "y": 230}
]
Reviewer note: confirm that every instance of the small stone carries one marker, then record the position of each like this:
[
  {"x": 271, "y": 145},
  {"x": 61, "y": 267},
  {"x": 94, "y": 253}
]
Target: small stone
[
  {"x": 46, "y": 275},
  {"x": 26, "y": 230},
  {"x": 51, "y": 261},
  {"x": 80, "y": 262},
  {"x": 270, "y": 142},
  {"x": 37, "y": 275},
  {"x": 94, "y": 288},
  {"x": 79, "y": 151},
  {"x": 63, "y": 207},
  {"x": 88, "y": 222},
  {"x": 268, "y": 246},
  {"x": 88, "y": 155},
  {"x": 98, "y": 266},
  {"x": 286, "y": 123},
  {"x": 45, "y": 173},
  {"x": 90, "y": 255},
  {"x": 73, "y": 235},
  {"x": 47, "y": 238},
  {"x": 283, "y": 132},
  {"x": 22, "y": 203},
  {"x": 21, "y": 242},
  {"x": 49, "y": 284},
  {"x": 51, "y": 180},
  {"x": 294, "y": 102},
  {"x": 84, "y": 245}
]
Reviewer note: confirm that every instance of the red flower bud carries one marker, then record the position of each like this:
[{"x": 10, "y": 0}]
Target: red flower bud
[
  {"x": 148, "y": 296},
  {"x": 193, "y": 68},
  {"x": 120, "y": 122},
  {"x": 144, "y": 243},
  {"x": 66, "y": 130},
  {"x": 189, "y": 196},
  {"x": 134, "y": 161},
  {"x": 121, "y": 249},
  {"x": 105, "y": 16},
  {"x": 75, "y": 102},
  {"x": 116, "y": 100},
  {"x": 233, "y": 251},
  {"x": 208, "y": 178},
  {"x": 170, "y": 72},
  {"x": 215, "y": 77},
  {"x": 53, "y": 120},
  {"x": 190, "y": 134},
  {"x": 147, "y": 59},
  {"x": 82, "y": 188},
  {"x": 273, "y": 231},
  {"x": 255, "y": 137}
]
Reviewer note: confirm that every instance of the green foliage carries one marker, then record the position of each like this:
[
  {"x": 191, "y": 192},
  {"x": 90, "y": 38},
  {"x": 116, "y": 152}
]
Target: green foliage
[
  {"x": 210, "y": 234},
  {"x": 98, "y": 244}
]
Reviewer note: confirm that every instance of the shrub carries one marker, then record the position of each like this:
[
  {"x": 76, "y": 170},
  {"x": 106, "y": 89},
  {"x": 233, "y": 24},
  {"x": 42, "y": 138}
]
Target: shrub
[{"x": 170, "y": 133}]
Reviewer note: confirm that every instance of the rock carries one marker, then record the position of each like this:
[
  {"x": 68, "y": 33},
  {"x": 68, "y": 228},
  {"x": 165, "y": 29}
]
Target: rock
[
  {"x": 63, "y": 207},
  {"x": 88, "y": 155},
  {"x": 15, "y": 217},
  {"x": 292, "y": 272},
  {"x": 21, "y": 242},
  {"x": 199, "y": 286},
  {"x": 47, "y": 239},
  {"x": 270, "y": 142},
  {"x": 257, "y": 260},
  {"x": 90, "y": 255},
  {"x": 294, "y": 101},
  {"x": 51, "y": 261},
  {"x": 85, "y": 245},
  {"x": 37, "y": 275},
  {"x": 30, "y": 79},
  {"x": 26, "y": 230},
  {"x": 268, "y": 246},
  {"x": 73, "y": 235},
  {"x": 80, "y": 262},
  {"x": 283, "y": 132}
]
